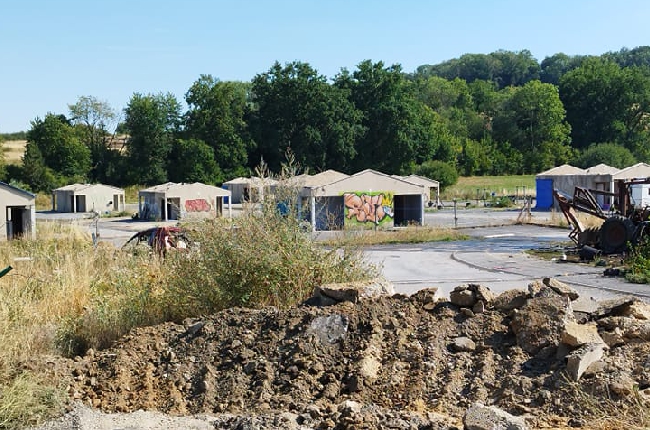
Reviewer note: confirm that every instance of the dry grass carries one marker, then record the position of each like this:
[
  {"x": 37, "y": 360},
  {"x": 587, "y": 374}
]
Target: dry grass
[
  {"x": 411, "y": 234},
  {"x": 51, "y": 278},
  {"x": 601, "y": 412},
  {"x": 13, "y": 151}
]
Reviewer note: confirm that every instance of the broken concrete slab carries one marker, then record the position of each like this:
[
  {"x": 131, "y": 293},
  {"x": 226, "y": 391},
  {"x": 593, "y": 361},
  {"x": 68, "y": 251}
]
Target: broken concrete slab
[
  {"x": 354, "y": 291},
  {"x": 575, "y": 334},
  {"x": 580, "y": 359},
  {"x": 561, "y": 288}
]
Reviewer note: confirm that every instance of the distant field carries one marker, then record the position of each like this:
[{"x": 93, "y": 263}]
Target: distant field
[
  {"x": 14, "y": 150},
  {"x": 473, "y": 187}
]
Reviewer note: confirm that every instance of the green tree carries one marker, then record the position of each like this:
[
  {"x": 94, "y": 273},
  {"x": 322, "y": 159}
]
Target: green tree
[
  {"x": 399, "y": 128},
  {"x": 60, "y": 147},
  {"x": 440, "y": 171},
  {"x": 296, "y": 109},
  {"x": 504, "y": 68},
  {"x": 557, "y": 65},
  {"x": 93, "y": 119},
  {"x": 216, "y": 115},
  {"x": 636, "y": 57},
  {"x": 35, "y": 173},
  {"x": 532, "y": 119},
  {"x": 192, "y": 160},
  {"x": 611, "y": 154},
  {"x": 607, "y": 103},
  {"x": 152, "y": 121}
]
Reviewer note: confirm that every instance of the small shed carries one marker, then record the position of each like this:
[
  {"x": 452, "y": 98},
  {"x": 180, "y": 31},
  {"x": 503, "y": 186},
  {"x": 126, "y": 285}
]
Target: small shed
[
  {"x": 173, "y": 201},
  {"x": 88, "y": 198},
  {"x": 365, "y": 198},
  {"x": 243, "y": 190},
  {"x": 563, "y": 178},
  {"x": 431, "y": 188},
  {"x": 637, "y": 171},
  {"x": 17, "y": 212},
  {"x": 599, "y": 177}
]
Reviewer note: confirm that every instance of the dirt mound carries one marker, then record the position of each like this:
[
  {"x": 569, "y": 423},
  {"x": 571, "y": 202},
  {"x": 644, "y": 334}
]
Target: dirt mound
[{"x": 383, "y": 362}]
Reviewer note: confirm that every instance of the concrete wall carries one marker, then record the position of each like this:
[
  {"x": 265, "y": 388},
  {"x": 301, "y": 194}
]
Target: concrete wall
[
  {"x": 182, "y": 201},
  {"x": 88, "y": 199}
]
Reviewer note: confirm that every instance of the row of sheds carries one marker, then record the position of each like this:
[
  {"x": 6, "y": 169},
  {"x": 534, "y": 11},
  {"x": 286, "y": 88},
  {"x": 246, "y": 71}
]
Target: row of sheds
[
  {"x": 600, "y": 177},
  {"x": 333, "y": 200},
  {"x": 328, "y": 200},
  {"x": 164, "y": 202}
]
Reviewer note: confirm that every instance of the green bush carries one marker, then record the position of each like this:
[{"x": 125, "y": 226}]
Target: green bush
[
  {"x": 638, "y": 263},
  {"x": 266, "y": 258},
  {"x": 440, "y": 171},
  {"x": 501, "y": 202}
]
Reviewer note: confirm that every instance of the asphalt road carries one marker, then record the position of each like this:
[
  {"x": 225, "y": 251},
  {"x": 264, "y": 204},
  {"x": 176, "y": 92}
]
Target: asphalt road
[{"x": 496, "y": 257}]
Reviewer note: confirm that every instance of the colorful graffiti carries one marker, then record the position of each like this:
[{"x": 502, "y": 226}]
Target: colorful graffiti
[
  {"x": 197, "y": 205},
  {"x": 368, "y": 207}
]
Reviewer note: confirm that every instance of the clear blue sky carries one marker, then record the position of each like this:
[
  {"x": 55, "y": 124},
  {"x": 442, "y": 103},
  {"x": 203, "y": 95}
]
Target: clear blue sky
[{"x": 53, "y": 51}]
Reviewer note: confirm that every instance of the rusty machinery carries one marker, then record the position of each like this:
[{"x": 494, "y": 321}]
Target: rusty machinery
[{"x": 626, "y": 224}]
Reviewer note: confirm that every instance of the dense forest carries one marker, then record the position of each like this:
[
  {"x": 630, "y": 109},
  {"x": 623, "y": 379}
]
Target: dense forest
[{"x": 480, "y": 114}]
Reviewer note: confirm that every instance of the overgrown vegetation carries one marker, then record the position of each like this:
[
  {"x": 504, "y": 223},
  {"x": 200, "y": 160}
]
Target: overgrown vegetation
[
  {"x": 63, "y": 296},
  {"x": 638, "y": 263}
]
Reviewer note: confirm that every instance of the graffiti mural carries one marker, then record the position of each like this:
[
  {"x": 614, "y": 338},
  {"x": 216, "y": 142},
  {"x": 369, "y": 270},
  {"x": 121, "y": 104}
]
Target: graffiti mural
[
  {"x": 365, "y": 207},
  {"x": 197, "y": 205}
]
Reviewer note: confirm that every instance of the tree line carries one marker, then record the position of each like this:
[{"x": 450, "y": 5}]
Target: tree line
[{"x": 480, "y": 114}]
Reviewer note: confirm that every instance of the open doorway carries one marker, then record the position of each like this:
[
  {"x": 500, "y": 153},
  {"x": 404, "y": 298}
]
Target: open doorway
[{"x": 18, "y": 222}]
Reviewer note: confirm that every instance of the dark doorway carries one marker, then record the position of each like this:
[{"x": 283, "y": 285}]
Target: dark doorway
[
  {"x": 408, "y": 209},
  {"x": 15, "y": 222},
  {"x": 329, "y": 213}
]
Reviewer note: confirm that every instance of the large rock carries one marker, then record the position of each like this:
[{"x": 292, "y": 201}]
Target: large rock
[
  {"x": 463, "y": 343},
  {"x": 575, "y": 334},
  {"x": 580, "y": 359},
  {"x": 561, "y": 288},
  {"x": 330, "y": 328},
  {"x": 353, "y": 291},
  {"x": 467, "y": 295},
  {"x": 510, "y": 299},
  {"x": 540, "y": 323},
  {"x": 480, "y": 417},
  {"x": 613, "y": 338},
  {"x": 427, "y": 297}
]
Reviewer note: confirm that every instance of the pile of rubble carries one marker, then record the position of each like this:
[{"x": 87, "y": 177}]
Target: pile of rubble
[{"x": 360, "y": 357}]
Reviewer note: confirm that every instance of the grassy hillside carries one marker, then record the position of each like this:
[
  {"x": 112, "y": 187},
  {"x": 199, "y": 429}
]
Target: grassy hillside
[{"x": 473, "y": 187}]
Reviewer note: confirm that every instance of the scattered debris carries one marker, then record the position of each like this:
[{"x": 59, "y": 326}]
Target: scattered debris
[{"x": 159, "y": 239}]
